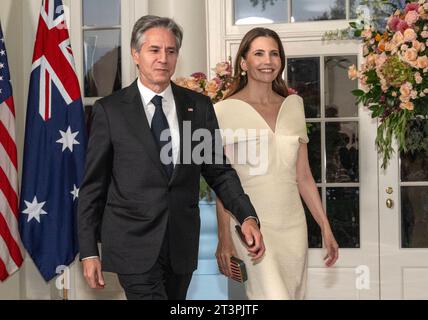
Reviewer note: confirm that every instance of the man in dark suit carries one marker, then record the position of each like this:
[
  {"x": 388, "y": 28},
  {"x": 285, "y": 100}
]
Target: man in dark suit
[{"x": 139, "y": 189}]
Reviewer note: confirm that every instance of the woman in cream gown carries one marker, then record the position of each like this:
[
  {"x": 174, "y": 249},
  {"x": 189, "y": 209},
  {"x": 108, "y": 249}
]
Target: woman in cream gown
[{"x": 264, "y": 137}]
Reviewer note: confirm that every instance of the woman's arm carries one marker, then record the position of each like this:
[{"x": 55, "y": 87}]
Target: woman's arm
[
  {"x": 225, "y": 247},
  {"x": 309, "y": 192}
]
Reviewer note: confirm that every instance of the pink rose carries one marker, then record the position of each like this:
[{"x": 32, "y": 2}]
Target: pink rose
[
  {"x": 411, "y": 17},
  {"x": 418, "y": 45},
  {"x": 405, "y": 91},
  {"x": 409, "y": 34},
  {"x": 193, "y": 84},
  {"x": 422, "y": 62},
  {"x": 397, "y": 38},
  {"x": 211, "y": 88},
  {"x": 222, "y": 69},
  {"x": 418, "y": 78},
  {"x": 402, "y": 26},
  {"x": 380, "y": 60},
  {"x": 411, "y": 55},
  {"x": 199, "y": 76},
  {"x": 393, "y": 22},
  {"x": 389, "y": 46},
  {"x": 411, "y": 7}
]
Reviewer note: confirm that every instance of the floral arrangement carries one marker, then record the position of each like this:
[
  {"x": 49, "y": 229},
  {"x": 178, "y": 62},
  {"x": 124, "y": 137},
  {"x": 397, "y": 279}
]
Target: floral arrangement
[
  {"x": 394, "y": 77},
  {"x": 215, "y": 88}
]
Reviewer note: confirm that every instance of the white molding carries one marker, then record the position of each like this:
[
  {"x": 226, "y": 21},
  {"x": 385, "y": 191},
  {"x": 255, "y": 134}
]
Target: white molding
[{"x": 313, "y": 29}]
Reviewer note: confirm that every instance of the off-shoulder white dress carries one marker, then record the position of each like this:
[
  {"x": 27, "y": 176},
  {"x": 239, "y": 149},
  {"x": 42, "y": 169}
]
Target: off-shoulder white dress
[{"x": 266, "y": 164}]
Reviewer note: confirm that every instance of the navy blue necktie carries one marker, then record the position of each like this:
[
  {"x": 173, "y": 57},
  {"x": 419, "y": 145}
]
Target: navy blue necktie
[{"x": 159, "y": 124}]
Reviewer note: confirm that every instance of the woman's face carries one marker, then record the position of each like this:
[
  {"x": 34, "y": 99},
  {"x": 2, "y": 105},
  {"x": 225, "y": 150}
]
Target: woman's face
[{"x": 263, "y": 61}]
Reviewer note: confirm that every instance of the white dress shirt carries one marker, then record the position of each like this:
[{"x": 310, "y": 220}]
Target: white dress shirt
[{"x": 170, "y": 111}]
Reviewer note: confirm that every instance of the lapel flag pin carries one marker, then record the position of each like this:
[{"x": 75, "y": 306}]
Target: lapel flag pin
[{"x": 190, "y": 109}]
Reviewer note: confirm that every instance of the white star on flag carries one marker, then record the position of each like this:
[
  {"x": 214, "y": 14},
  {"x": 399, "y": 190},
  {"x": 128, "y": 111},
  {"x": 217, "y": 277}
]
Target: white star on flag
[
  {"x": 75, "y": 192},
  {"x": 1, "y": 65},
  {"x": 67, "y": 139},
  {"x": 34, "y": 209},
  {"x": 2, "y": 52}
]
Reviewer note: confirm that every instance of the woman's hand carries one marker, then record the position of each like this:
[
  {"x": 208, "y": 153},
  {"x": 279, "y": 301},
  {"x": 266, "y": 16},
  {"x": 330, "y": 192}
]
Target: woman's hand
[
  {"x": 225, "y": 250},
  {"x": 332, "y": 247}
]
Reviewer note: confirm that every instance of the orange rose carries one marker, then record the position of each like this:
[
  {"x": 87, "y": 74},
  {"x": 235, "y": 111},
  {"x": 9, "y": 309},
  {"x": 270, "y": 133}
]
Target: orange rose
[
  {"x": 422, "y": 62},
  {"x": 407, "y": 105}
]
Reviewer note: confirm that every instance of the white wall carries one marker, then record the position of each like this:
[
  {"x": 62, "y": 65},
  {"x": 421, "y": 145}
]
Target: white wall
[{"x": 19, "y": 21}]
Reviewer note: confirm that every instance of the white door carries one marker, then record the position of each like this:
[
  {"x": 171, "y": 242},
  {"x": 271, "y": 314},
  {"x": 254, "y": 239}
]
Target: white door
[
  {"x": 403, "y": 203},
  {"x": 341, "y": 149}
]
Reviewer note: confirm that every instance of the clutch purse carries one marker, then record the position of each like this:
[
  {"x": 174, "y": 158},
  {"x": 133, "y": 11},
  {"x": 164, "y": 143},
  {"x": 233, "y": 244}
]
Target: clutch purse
[{"x": 239, "y": 272}]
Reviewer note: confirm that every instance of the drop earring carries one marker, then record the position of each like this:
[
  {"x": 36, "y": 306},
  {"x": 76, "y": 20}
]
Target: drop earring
[{"x": 243, "y": 73}]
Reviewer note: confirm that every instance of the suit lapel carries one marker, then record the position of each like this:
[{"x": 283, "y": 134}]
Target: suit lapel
[
  {"x": 184, "y": 106},
  {"x": 140, "y": 125}
]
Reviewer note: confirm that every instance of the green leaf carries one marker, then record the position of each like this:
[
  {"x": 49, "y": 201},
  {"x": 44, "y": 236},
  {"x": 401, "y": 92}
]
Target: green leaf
[
  {"x": 353, "y": 24},
  {"x": 358, "y": 92},
  {"x": 357, "y": 33}
]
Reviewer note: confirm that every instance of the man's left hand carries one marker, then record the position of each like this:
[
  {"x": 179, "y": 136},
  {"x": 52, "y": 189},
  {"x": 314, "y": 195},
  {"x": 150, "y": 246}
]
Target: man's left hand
[{"x": 254, "y": 239}]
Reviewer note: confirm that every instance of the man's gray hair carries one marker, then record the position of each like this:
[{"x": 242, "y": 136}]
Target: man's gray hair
[{"x": 149, "y": 21}]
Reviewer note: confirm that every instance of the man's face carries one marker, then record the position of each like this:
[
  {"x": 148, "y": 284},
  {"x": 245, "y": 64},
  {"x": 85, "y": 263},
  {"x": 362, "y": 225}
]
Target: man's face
[{"x": 157, "y": 58}]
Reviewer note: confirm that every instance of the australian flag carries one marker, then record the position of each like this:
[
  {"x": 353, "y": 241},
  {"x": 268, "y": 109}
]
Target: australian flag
[{"x": 54, "y": 148}]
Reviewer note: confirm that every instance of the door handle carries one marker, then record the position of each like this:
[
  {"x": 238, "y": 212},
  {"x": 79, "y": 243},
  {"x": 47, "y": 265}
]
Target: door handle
[{"x": 389, "y": 203}]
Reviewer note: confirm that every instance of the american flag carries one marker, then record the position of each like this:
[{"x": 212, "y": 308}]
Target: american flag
[
  {"x": 10, "y": 253},
  {"x": 54, "y": 148}
]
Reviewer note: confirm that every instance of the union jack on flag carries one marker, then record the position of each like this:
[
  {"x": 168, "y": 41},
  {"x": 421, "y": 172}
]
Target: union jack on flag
[{"x": 54, "y": 148}]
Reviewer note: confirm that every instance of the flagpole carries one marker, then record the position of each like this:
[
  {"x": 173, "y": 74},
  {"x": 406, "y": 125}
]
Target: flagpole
[
  {"x": 64, "y": 294},
  {"x": 66, "y": 283}
]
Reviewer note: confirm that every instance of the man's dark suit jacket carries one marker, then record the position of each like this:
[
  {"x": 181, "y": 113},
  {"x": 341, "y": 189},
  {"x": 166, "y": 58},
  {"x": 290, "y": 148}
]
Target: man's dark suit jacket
[{"x": 127, "y": 194}]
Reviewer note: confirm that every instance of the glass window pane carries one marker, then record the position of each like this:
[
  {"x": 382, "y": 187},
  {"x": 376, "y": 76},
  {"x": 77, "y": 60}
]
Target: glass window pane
[
  {"x": 101, "y": 12},
  {"x": 314, "y": 231},
  {"x": 303, "y": 75},
  {"x": 260, "y": 11},
  {"x": 414, "y": 165},
  {"x": 102, "y": 63},
  {"x": 414, "y": 217},
  {"x": 344, "y": 215},
  {"x": 315, "y": 10},
  {"x": 342, "y": 151},
  {"x": 339, "y": 101},
  {"x": 353, "y": 4},
  {"x": 314, "y": 150}
]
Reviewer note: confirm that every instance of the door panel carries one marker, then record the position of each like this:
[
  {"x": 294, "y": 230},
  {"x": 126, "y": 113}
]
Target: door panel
[{"x": 404, "y": 227}]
